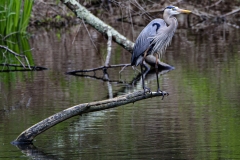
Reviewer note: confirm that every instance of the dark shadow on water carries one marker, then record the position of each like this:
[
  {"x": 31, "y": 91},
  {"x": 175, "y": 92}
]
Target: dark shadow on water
[{"x": 34, "y": 153}]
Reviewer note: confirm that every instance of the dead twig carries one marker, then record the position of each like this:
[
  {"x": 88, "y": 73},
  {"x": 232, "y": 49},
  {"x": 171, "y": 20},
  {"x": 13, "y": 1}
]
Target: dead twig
[
  {"x": 215, "y": 4},
  {"x": 76, "y": 33},
  {"x": 89, "y": 34},
  {"x": 124, "y": 68},
  {"x": 15, "y": 66},
  {"x": 145, "y": 12},
  {"x": 232, "y": 12},
  {"x": 17, "y": 56},
  {"x": 98, "y": 68}
]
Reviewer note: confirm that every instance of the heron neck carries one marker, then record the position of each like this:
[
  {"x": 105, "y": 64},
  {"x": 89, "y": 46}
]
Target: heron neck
[{"x": 171, "y": 21}]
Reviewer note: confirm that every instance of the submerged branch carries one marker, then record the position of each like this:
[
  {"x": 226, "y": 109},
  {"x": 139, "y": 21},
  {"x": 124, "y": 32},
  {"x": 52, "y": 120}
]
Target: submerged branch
[
  {"x": 17, "y": 55},
  {"x": 28, "y": 135}
]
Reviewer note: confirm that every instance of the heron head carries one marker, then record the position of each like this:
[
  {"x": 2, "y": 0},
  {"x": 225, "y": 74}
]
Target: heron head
[{"x": 173, "y": 10}]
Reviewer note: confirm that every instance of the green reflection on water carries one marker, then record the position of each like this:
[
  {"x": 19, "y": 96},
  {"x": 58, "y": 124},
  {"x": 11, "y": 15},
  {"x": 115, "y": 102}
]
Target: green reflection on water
[
  {"x": 206, "y": 127},
  {"x": 215, "y": 102},
  {"x": 18, "y": 44},
  {"x": 14, "y": 16}
]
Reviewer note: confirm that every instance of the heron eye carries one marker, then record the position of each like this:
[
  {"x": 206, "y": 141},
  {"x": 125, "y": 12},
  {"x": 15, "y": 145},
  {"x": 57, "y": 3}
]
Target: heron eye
[{"x": 174, "y": 9}]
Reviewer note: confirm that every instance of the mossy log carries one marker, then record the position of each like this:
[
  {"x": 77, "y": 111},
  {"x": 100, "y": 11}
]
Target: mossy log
[{"x": 82, "y": 13}]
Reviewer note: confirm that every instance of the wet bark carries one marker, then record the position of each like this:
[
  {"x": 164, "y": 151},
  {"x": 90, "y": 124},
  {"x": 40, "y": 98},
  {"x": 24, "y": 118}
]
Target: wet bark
[{"x": 28, "y": 135}]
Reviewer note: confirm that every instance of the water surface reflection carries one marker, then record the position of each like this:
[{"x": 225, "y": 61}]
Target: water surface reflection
[{"x": 198, "y": 120}]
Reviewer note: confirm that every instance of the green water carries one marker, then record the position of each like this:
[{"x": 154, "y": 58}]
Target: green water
[{"x": 198, "y": 120}]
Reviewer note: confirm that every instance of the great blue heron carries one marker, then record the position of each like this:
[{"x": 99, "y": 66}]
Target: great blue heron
[{"x": 154, "y": 39}]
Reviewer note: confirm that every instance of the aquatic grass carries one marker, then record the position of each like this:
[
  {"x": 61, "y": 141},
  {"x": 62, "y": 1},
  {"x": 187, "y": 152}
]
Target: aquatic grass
[
  {"x": 21, "y": 47},
  {"x": 14, "y": 20},
  {"x": 14, "y": 16},
  {"x": 26, "y": 14}
]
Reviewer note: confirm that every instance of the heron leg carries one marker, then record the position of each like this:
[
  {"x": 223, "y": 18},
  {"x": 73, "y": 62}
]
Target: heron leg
[
  {"x": 143, "y": 74},
  {"x": 147, "y": 67},
  {"x": 156, "y": 68},
  {"x": 145, "y": 89},
  {"x": 145, "y": 64}
]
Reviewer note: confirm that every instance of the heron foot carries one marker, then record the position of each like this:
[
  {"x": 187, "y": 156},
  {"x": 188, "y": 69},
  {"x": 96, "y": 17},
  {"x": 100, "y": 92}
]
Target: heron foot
[
  {"x": 146, "y": 89},
  {"x": 163, "y": 93}
]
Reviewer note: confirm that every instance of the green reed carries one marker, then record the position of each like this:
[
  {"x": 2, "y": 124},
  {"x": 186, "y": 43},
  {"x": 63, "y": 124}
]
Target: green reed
[
  {"x": 14, "y": 20},
  {"x": 14, "y": 16}
]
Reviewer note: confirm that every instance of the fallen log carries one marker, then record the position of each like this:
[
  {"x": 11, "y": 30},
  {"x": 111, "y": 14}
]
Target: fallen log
[{"x": 27, "y": 136}]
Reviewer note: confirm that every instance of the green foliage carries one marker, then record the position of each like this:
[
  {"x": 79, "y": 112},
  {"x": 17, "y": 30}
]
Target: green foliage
[
  {"x": 18, "y": 44},
  {"x": 58, "y": 18},
  {"x": 14, "y": 19},
  {"x": 14, "y": 15}
]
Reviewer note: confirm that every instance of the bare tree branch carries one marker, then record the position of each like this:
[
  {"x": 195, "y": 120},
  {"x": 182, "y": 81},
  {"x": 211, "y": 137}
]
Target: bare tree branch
[
  {"x": 17, "y": 55},
  {"x": 109, "y": 48},
  {"x": 214, "y": 4},
  {"x": 98, "y": 68},
  {"x": 151, "y": 60},
  {"x": 82, "y": 13},
  {"x": 28, "y": 135},
  {"x": 33, "y": 68},
  {"x": 232, "y": 12}
]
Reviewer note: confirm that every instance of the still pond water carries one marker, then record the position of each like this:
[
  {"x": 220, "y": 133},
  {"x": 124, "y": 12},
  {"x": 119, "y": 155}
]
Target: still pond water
[{"x": 200, "y": 119}]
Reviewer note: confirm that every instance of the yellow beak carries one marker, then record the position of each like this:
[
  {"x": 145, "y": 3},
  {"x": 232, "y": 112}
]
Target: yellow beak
[{"x": 183, "y": 11}]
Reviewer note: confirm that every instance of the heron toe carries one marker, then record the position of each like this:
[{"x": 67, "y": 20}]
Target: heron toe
[
  {"x": 163, "y": 93},
  {"x": 146, "y": 89}
]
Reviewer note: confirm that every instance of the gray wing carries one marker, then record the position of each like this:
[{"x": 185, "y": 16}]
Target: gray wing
[{"x": 144, "y": 39}]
